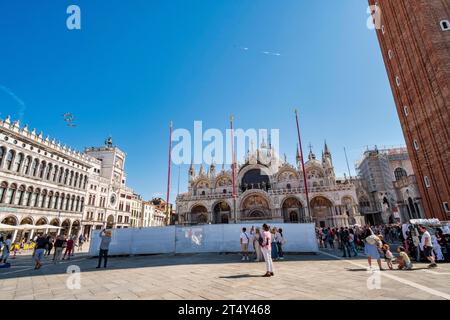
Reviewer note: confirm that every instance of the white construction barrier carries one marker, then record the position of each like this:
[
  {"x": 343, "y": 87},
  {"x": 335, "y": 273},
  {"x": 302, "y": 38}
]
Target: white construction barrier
[{"x": 199, "y": 239}]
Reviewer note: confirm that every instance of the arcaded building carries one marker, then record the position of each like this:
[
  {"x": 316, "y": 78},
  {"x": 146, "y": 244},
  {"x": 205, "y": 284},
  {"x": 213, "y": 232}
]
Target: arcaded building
[{"x": 414, "y": 38}]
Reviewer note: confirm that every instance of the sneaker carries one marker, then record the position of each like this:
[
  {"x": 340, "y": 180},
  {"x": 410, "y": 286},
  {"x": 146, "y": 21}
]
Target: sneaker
[
  {"x": 243, "y": 259},
  {"x": 433, "y": 265},
  {"x": 281, "y": 258}
]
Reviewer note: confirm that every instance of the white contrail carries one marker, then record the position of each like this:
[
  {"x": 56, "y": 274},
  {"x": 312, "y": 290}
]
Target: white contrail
[{"x": 22, "y": 106}]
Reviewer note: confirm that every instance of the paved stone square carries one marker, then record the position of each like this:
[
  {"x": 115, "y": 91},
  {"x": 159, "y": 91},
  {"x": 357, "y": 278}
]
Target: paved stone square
[{"x": 214, "y": 276}]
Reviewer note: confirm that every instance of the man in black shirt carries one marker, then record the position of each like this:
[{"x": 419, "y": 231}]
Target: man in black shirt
[{"x": 41, "y": 246}]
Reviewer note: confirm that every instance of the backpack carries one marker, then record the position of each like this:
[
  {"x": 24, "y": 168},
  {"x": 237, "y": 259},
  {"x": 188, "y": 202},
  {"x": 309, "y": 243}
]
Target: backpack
[{"x": 261, "y": 240}]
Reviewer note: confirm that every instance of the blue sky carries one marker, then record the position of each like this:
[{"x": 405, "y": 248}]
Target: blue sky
[{"x": 136, "y": 65}]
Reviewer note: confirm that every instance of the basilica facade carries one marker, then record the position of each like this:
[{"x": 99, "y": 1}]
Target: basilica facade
[{"x": 270, "y": 189}]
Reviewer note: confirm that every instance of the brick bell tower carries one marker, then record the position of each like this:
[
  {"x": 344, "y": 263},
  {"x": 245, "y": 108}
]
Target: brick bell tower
[{"x": 414, "y": 37}]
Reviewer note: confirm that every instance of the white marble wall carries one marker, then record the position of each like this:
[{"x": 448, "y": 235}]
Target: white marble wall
[{"x": 198, "y": 239}]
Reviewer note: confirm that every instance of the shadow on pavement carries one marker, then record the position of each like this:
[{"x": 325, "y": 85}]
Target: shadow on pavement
[{"x": 23, "y": 266}]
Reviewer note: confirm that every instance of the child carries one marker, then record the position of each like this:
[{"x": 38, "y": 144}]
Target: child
[
  {"x": 388, "y": 256},
  {"x": 404, "y": 263}
]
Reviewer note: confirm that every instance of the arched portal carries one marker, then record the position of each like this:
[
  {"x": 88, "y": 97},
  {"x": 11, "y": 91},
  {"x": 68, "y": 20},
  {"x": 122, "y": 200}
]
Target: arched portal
[
  {"x": 255, "y": 207},
  {"x": 222, "y": 212},
  {"x": 292, "y": 210},
  {"x": 76, "y": 227},
  {"x": 198, "y": 215},
  {"x": 65, "y": 227},
  {"x": 321, "y": 208}
]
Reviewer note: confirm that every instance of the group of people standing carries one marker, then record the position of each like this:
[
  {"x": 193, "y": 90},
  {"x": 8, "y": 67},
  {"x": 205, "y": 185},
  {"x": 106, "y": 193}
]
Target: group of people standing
[
  {"x": 45, "y": 244},
  {"x": 267, "y": 245}
]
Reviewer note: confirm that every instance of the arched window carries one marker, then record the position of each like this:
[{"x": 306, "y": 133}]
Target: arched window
[
  {"x": 43, "y": 198},
  {"x": 9, "y": 159},
  {"x": 49, "y": 171},
  {"x": 20, "y": 196},
  {"x": 35, "y": 167},
  {"x": 18, "y": 162},
  {"x": 2, "y": 155},
  {"x": 71, "y": 178},
  {"x": 55, "y": 173},
  {"x": 67, "y": 202},
  {"x": 288, "y": 186},
  {"x": 82, "y": 205},
  {"x": 400, "y": 173},
  {"x": 26, "y": 165},
  {"x": 72, "y": 204},
  {"x": 55, "y": 205},
  {"x": 85, "y": 182},
  {"x": 61, "y": 201},
  {"x": 28, "y": 196},
  {"x": 445, "y": 25},
  {"x": 3, "y": 188},
  {"x": 11, "y": 194},
  {"x": 42, "y": 169},
  {"x": 35, "y": 199},
  {"x": 77, "y": 206},
  {"x": 60, "y": 175},
  {"x": 66, "y": 176},
  {"x": 75, "y": 183},
  {"x": 50, "y": 198}
]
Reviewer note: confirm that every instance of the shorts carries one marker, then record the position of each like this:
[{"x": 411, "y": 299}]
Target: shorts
[
  {"x": 244, "y": 247},
  {"x": 39, "y": 254},
  {"x": 428, "y": 251}
]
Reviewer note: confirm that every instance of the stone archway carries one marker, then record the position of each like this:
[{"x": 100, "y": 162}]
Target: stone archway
[
  {"x": 221, "y": 212},
  {"x": 255, "y": 206},
  {"x": 65, "y": 227},
  {"x": 321, "y": 209},
  {"x": 10, "y": 220},
  {"x": 292, "y": 210},
  {"x": 198, "y": 214}
]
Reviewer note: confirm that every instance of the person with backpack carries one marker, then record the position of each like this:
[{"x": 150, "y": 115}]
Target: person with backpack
[
  {"x": 266, "y": 248},
  {"x": 345, "y": 242},
  {"x": 280, "y": 242},
  {"x": 257, "y": 240},
  {"x": 244, "y": 239}
]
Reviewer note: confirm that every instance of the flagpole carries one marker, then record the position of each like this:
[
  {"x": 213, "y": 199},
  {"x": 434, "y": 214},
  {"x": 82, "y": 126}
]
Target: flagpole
[
  {"x": 303, "y": 165},
  {"x": 233, "y": 168},
  {"x": 169, "y": 175}
]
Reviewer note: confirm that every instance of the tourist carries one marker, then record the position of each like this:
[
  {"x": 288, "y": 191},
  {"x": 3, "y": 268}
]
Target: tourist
[
  {"x": 427, "y": 246},
  {"x": 69, "y": 248},
  {"x": 330, "y": 238},
  {"x": 105, "y": 235},
  {"x": 345, "y": 242},
  {"x": 274, "y": 251},
  {"x": 59, "y": 243},
  {"x": 324, "y": 237},
  {"x": 266, "y": 245},
  {"x": 280, "y": 241},
  {"x": 256, "y": 237},
  {"x": 351, "y": 240},
  {"x": 388, "y": 256},
  {"x": 244, "y": 239},
  {"x": 372, "y": 244},
  {"x": 81, "y": 240},
  {"x": 49, "y": 245},
  {"x": 416, "y": 243},
  {"x": 403, "y": 261},
  {"x": 6, "y": 248},
  {"x": 41, "y": 245},
  {"x": 437, "y": 248}
]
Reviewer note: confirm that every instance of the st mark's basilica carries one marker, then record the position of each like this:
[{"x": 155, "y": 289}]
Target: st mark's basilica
[{"x": 270, "y": 189}]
